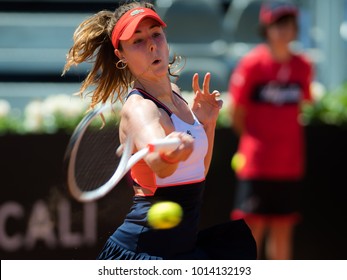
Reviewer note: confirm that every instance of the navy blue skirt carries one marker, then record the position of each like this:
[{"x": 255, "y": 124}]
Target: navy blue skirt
[{"x": 228, "y": 241}]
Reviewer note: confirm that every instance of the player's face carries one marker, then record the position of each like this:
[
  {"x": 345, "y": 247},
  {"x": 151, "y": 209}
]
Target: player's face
[{"x": 147, "y": 52}]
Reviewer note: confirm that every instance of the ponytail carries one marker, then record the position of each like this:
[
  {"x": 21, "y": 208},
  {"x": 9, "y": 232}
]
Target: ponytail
[{"x": 92, "y": 44}]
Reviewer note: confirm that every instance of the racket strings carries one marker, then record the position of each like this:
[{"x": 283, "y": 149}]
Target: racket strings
[{"x": 96, "y": 158}]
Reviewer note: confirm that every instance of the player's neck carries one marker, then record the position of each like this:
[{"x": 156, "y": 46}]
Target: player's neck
[{"x": 158, "y": 89}]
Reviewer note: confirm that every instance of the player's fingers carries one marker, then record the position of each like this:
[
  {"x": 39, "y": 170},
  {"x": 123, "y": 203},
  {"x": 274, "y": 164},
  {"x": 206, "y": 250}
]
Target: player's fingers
[
  {"x": 186, "y": 147},
  {"x": 195, "y": 83},
  {"x": 120, "y": 150},
  {"x": 216, "y": 93},
  {"x": 184, "y": 137},
  {"x": 206, "y": 83}
]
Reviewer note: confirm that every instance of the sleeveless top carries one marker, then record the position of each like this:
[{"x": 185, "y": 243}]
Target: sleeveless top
[{"x": 190, "y": 171}]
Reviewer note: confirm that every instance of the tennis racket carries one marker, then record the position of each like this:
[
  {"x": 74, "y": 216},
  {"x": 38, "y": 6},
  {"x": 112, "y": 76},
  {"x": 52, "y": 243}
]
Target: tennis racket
[{"x": 95, "y": 159}]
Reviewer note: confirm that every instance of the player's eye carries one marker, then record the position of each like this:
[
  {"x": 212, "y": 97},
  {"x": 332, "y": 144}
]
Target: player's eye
[{"x": 138, "y": 41}]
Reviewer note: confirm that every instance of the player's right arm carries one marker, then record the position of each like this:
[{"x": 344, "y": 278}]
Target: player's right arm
[{"x": 145, "y": 122}]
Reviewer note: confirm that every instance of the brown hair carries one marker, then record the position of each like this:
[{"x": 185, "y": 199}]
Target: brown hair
[{"x": 92, "y": 43}]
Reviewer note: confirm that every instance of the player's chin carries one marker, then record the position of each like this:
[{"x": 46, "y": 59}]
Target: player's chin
[{"x": 160, "y": 72}]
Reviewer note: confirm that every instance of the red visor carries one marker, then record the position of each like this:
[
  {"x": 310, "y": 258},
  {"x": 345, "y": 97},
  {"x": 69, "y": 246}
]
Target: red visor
[{"x": 127, "y": 24}]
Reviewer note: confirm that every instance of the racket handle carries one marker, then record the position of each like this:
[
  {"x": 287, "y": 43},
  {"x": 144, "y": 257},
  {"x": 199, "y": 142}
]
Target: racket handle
[{"x": 164, "y": 145}]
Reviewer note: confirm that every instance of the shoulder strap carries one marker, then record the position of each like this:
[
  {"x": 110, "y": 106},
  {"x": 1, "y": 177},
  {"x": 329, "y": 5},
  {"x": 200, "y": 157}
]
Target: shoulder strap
[
  {"x": 180, "y": 96},
  {"x": 146, "y": 95}
]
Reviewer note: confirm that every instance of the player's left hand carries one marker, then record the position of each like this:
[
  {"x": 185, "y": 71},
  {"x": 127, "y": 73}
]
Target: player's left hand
[{"x": 206, "y": 104}]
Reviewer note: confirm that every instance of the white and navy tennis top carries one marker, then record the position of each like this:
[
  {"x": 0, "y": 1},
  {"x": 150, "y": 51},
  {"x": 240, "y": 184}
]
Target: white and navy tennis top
[{"x": 190, "y": 171}]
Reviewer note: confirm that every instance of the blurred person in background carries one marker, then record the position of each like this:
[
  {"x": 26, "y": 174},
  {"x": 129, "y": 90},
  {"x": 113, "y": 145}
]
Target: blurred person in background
[{"x": 267, "y": 89}]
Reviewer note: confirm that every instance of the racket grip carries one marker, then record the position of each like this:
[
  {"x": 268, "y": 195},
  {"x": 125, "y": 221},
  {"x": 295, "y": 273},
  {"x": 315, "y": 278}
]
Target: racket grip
[{"x": 164, "y": 145}]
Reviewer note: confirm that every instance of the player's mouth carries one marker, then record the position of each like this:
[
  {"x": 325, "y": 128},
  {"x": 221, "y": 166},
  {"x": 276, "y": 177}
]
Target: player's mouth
[{"x": 156, "y": 62}]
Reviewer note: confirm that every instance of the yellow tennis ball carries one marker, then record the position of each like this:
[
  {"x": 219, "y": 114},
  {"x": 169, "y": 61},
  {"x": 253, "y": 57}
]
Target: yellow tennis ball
[
  {"x": 238, "y": 161},
  {"x": 164, "y": 215}
]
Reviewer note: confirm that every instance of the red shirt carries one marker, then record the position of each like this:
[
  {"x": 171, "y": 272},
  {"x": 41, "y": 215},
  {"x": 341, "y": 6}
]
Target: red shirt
[{"x": 271, "y": 92}]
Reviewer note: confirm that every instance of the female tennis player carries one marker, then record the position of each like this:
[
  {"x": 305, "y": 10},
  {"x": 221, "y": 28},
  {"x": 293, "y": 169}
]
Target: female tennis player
[{"x": 131, "y": 52}]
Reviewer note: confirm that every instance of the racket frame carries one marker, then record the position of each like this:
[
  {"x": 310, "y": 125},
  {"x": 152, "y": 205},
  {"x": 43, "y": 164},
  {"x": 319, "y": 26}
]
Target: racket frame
[{"x": 127, "y": 160}]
